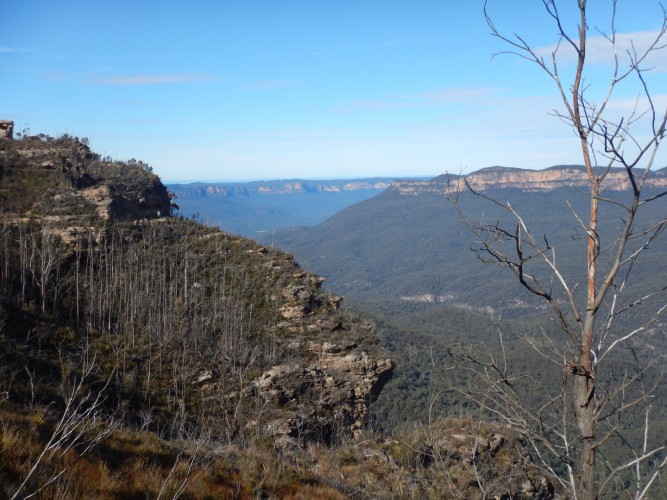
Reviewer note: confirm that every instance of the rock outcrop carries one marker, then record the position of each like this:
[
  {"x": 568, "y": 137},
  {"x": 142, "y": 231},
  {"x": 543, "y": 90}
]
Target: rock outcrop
[
  {"x": 324, "y": 398},
  {"x": 6, "y": 129},
  {"x": 527, "y": 180},
  {"x": 336, "y": 368},
  {"x": 148, "y": 200},
  {"x": 330, "y": 370},
  {"x": 116, "y": 190},
  {"x": 482, "y": 453},
  {"x": 278, "y": 187}
]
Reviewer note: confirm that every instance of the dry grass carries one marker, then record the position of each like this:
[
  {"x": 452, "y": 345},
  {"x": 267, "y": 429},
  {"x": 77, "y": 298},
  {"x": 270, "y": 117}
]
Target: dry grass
[
  {"x": 421, "y": 462},
  {"x": 140, "y": 465}
]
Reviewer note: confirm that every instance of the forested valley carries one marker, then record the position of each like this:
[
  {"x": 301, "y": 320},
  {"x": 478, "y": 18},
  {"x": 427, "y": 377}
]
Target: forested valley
[{"x": 408, "y": 261}]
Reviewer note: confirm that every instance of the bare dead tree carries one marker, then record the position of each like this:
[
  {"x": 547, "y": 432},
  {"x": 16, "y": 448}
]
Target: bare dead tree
[
  {"x": 573, "y": 423},
  {"x": 191, "y": 463},
  {"x": 82, "y": 426}
]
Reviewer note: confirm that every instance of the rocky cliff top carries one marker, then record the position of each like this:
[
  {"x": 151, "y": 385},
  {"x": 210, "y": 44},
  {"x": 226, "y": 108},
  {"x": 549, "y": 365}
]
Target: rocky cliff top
[
  {"x": 6, "y": 129},
  {"x": 276, "y": 187},
  {"x": 497, "y": 177},
  {"x": 63, "y": 177}
]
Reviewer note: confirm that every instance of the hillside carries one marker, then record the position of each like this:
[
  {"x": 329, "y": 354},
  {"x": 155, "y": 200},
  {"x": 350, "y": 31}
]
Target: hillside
[
  {"x": 409, "y": 243},
  {"x": 178, "y": 329},
  {"x": 258, "y": 209},
  {"x": 405, "y": 258},
  {"x": 146, "y": 355}
]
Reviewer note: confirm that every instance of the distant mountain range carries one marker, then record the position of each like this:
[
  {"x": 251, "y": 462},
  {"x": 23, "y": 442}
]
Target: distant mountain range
[
  {"x": 409, "y": 244},
  {"x": 291, "y": 186},
  {"x": 560, "y": 176},
  {"x": 405, "y": 258},
  {"x": 255, "y": 208}
]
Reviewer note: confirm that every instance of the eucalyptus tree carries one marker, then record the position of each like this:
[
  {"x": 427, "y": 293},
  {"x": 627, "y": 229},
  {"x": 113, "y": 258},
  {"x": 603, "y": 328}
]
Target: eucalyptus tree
[{"x": 570, "y": 427}]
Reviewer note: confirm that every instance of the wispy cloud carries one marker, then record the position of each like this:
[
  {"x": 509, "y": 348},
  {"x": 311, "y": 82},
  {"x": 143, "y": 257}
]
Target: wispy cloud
[
  {"x": 639, "y": 104},
  {"x": 365, "y": 104},
  {"x": 55, "y": 76},
  {"x": 12, "y": 49},
  {"x": 149, "y": 121},
  {"x": 174, "y": 78},
  {"x": 599, "y": 50},
  {"x": 462, "y": 94}
]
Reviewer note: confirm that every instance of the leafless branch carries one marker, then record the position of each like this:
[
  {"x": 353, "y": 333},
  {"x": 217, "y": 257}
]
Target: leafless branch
[{"x": 82, "y": 423}]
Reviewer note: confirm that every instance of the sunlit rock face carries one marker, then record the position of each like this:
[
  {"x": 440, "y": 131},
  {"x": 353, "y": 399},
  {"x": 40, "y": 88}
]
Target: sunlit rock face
[
  {"x": 7, "y": 129},
  {"x": 527, "y": 180},
  {"x": 325, "y": 398},
  {"x": 116, "y": 190},
  {"x": 337, "y": 369},
  {"x": 552, "y": 178}
]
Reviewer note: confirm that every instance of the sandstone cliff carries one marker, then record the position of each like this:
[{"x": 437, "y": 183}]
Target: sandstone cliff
[
  {"x": 277, "y": 187},
  {"x": 330, "y": 370},
  {"x": 67, "y": 178},
  {"x": 527, "y": 180}
]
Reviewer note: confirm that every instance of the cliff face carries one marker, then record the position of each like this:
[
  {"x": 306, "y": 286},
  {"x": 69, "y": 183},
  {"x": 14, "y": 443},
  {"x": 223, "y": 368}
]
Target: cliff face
[
  {"x": 527, "y": 180},
  {"x": 552, "y": 178},
  {"x": 6, "y": 129},
  {"x": 284, "y": 187},
  {"x": 329, "y": 370},
  {"x": 76, "y": 178}
]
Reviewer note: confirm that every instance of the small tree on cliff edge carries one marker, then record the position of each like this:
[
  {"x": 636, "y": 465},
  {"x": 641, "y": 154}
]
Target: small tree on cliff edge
[{"x": 574, "y": 424}]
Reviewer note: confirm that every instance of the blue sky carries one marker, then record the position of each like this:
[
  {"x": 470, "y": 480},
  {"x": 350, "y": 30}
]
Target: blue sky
[{"x": 242, "y": 90}]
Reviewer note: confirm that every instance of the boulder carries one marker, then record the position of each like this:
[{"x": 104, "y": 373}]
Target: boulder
[{"x": 7, "y": 129}]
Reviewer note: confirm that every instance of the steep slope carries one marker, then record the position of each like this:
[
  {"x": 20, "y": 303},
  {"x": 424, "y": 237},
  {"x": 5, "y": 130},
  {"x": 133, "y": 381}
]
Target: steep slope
[
  {"x": 170, "y": 288},
  {"x": 113, "y": 312},
  {"x": 409, "y": 242},
  {"x": 406, "y": 258}
]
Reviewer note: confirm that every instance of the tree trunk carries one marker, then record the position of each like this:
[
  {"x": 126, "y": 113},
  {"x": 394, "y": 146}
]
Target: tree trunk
[{"x": 584, "y": 391}]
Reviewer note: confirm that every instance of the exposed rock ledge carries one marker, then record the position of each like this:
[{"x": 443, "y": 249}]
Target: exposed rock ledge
[
  {"x": 336, "y": 371},
  {"x": 117, "y": 190},
  {"x": 329, "y": 369},
  {"x": 342, "y": 381},
  {"x": 552, "y": 178},
  {"x": 528, "y": 180}
]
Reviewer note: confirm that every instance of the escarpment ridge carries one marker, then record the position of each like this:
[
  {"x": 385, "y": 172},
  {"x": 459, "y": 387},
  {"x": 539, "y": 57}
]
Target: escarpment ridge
[{"x": 563, "y": 176}]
